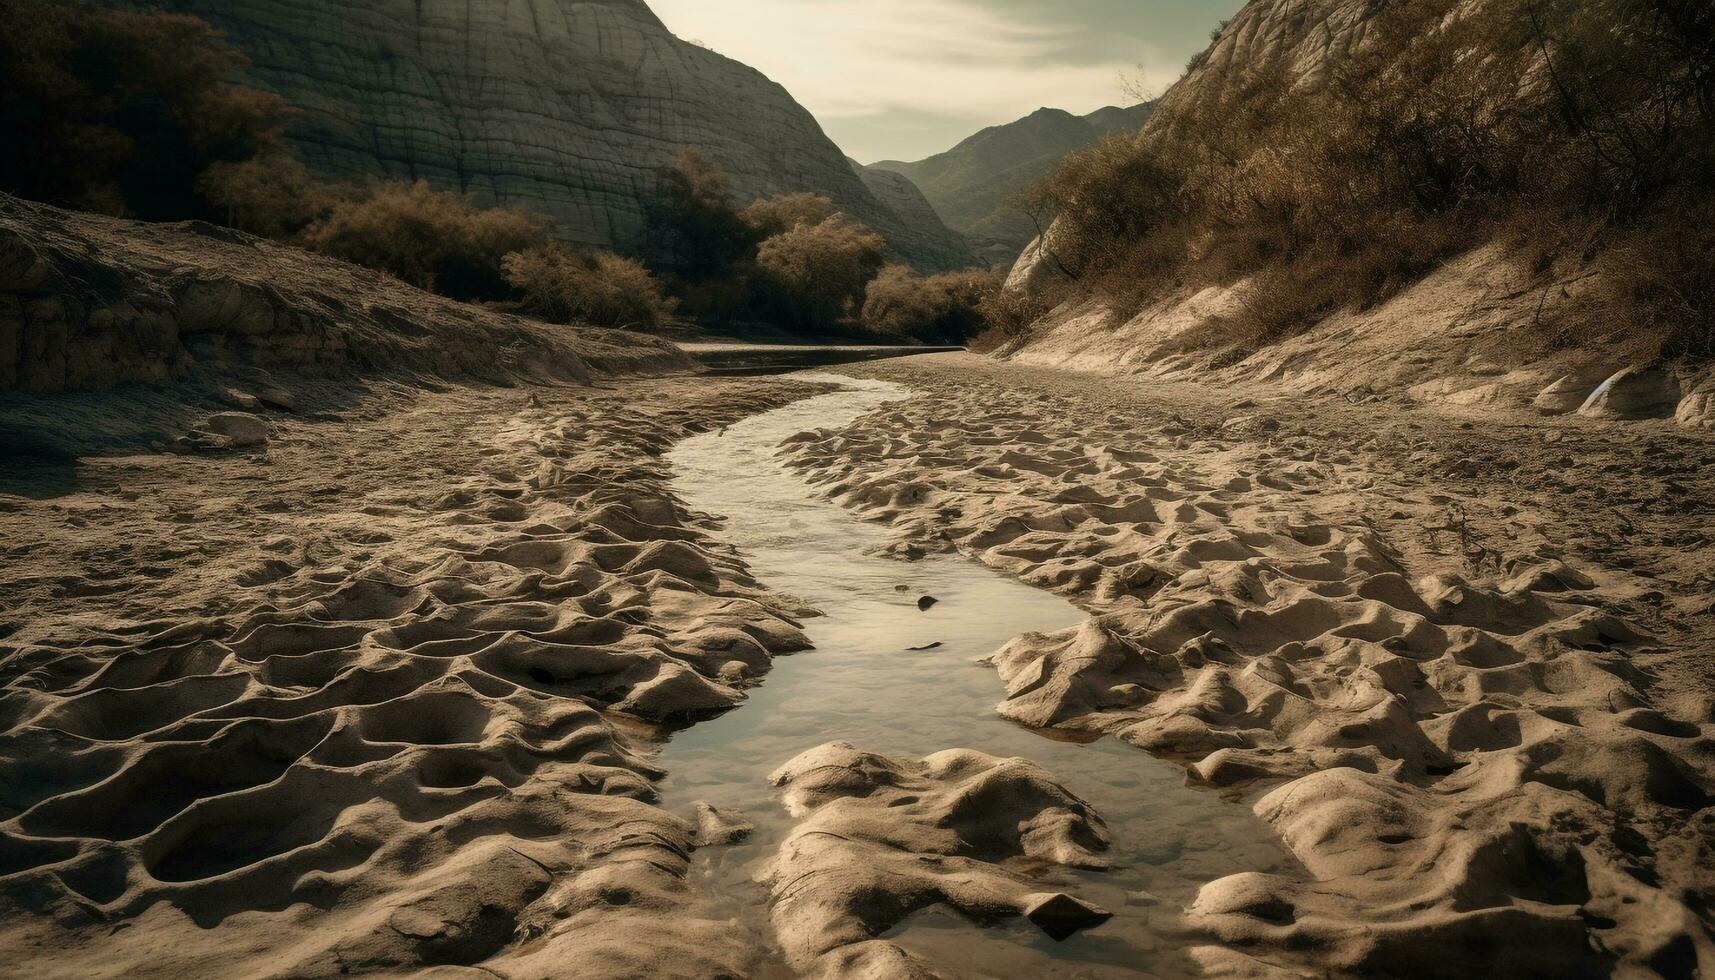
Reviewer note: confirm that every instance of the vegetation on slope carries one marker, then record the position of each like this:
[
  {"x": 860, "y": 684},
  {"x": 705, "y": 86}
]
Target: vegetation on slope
[
  {"x": 1581, "y": 131},
  {"x": 139, "y": 114}
]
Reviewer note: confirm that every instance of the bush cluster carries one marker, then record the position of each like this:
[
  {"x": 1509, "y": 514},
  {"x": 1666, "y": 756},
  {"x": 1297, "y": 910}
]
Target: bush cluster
[
  {"x": 121, "y": 111},
  {"x": 431, "y": 239},
  {"x": 794, "y": 260},
  {"x": 564, "y": 286},
  {"x": 1586, "y": 122},
  {"x": 949, "y": 308}
]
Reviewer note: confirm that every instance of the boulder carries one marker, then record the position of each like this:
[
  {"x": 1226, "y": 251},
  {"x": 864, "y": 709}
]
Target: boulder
[
  {"x": 1645, "y": 391},
  {"x": 242, "y": 428}
]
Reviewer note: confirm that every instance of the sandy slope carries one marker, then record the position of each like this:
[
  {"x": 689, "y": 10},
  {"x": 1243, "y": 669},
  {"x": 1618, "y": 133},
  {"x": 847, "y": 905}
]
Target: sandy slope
[
  {"x": 375, "y": 697},
  {"x": 1466, "y": 659}
]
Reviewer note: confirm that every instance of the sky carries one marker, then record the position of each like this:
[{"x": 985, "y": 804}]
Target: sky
[{"x": 905, "y": 79}]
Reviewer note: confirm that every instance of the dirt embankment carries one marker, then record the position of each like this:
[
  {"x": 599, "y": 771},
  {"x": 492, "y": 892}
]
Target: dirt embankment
[
  {"x": 1468, "y": 335},
  {"x": 1465, "y": 659},
  {"x": 118, "y": 333}
]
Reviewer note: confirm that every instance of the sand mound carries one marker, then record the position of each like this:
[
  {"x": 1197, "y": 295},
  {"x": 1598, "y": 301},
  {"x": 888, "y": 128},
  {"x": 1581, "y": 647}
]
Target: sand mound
[
  {"x": 880, "y": 838},
  {"x": 1483, "y": 761},
  {"x": 376, "y": 700}
]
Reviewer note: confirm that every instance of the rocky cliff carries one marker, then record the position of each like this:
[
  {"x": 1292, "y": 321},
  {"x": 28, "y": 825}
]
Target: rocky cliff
[
  {"x": 569, "y": 108},
  {"x": 972, "y": 185}
]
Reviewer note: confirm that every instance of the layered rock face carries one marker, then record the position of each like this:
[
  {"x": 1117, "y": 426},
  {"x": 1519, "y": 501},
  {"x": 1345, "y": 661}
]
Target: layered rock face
[
  {"x": 972, "y": 185},
  {"x": 568, "y": 108}
]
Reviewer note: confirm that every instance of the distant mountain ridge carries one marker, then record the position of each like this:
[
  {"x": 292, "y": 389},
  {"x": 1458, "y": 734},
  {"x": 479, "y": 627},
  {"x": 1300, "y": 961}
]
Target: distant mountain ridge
[
  {"x": 566, "y": 108},
  {"x": 972, "y": 184}
]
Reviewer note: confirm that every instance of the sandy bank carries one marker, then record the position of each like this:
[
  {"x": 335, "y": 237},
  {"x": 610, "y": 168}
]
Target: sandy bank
[
  {"x": 1467, "y": 660},
  {"x": 375, "y": 697}
]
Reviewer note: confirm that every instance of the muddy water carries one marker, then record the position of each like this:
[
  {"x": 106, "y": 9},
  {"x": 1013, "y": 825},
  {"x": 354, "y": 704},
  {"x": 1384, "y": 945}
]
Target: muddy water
[{"x": 863, "y": 684}]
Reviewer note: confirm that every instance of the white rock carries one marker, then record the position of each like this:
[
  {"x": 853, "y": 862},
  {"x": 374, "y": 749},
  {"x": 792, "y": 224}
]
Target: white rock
[
  {"x": 1566, "y": 395},
  {"x": 1643, "y": 391}
]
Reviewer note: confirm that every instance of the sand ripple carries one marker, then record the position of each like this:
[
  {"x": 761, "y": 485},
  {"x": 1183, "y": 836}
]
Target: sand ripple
[
  {"x": 384, "y": 700},
  {"x": 1467, "y": 752}
]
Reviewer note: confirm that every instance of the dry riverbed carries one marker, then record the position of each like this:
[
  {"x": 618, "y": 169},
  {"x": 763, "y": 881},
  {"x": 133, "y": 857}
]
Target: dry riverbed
[
  {"x": 1466, "y": 660},
  {"x": 378, "y": 696},
  {"x": 390, "y": 693}
]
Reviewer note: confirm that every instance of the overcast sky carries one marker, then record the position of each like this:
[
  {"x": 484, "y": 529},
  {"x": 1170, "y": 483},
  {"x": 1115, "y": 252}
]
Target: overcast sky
[{"x": 904, "y": 79}]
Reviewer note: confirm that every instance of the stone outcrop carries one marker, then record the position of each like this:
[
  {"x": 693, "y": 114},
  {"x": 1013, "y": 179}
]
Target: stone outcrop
[
  {"x": 568, "y": 108},
  {"x": 972, "y": 185}
]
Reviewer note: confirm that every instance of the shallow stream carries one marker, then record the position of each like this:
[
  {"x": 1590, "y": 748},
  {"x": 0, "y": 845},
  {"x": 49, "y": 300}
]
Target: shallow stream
[{"x": 864, "y": 685}]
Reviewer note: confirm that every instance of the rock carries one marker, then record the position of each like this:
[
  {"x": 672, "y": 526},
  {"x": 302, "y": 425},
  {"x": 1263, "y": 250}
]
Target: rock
[
  {"x": 927, "y": 602},
  {"x": 238, "y": 399},
  {"x": 278, "y": 398},
  {"x": 1060, "y": 915},
  {"x": 716, "y": 826},
  {"x": 200, "y": 442},
  {"x": 243, "y": 429},
  {"x": 1697, "y": 410},
  {"x": 1639, "y": 392},
  {"x": 22, "y": 267},
  {"x": 567, "y": 108},
  {"x": 216, "y": 304},
  {"x": 1566, "y": 395}
]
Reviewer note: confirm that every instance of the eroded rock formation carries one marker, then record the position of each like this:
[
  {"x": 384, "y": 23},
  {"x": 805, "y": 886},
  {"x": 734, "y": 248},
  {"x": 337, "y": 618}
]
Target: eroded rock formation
[{"x": 569, "y": 108}]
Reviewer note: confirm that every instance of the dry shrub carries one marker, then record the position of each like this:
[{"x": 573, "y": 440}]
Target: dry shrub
[
  {"x": 430, "y": 239},
  {"x": 1450, "y": 119},
  {"x": 814, "y": 275},
  {"x": 120, "y": 111},
  {"x": 600, "y": 288},
  {"x": 693, "y": 228},
  {"x": 772, "y": 215},
  {"x": 943, "y": 309},
  {"x": 272, "y": 195}
]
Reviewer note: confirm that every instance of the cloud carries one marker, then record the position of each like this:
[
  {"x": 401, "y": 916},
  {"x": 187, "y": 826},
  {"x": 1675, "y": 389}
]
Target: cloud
[{"x": 857, "y": 63}]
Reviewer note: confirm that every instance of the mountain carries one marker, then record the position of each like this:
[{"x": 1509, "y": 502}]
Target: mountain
[
  {"x": 568, "y": 108},
  {"x": 972, "y": 185}
]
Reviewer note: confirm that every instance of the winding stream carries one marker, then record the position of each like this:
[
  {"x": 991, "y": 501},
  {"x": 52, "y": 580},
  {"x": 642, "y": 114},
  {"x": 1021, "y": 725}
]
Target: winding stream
[{"x": 862, "y": 684}]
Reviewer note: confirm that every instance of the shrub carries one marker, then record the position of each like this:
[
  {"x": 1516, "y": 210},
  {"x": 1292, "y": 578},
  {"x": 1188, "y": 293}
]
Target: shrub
[
  {"x": 693, "y": 228},
  {"x": 816, "y": 274},
  {"x": 272, "y": 195},
  {"x": 600, "y": 288},
  {"x": 120, "y": 111},
  {"x": 430, "y": 239},
  {"x": 942, "y": 309},
  {"x": 773, "y": 215}
]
